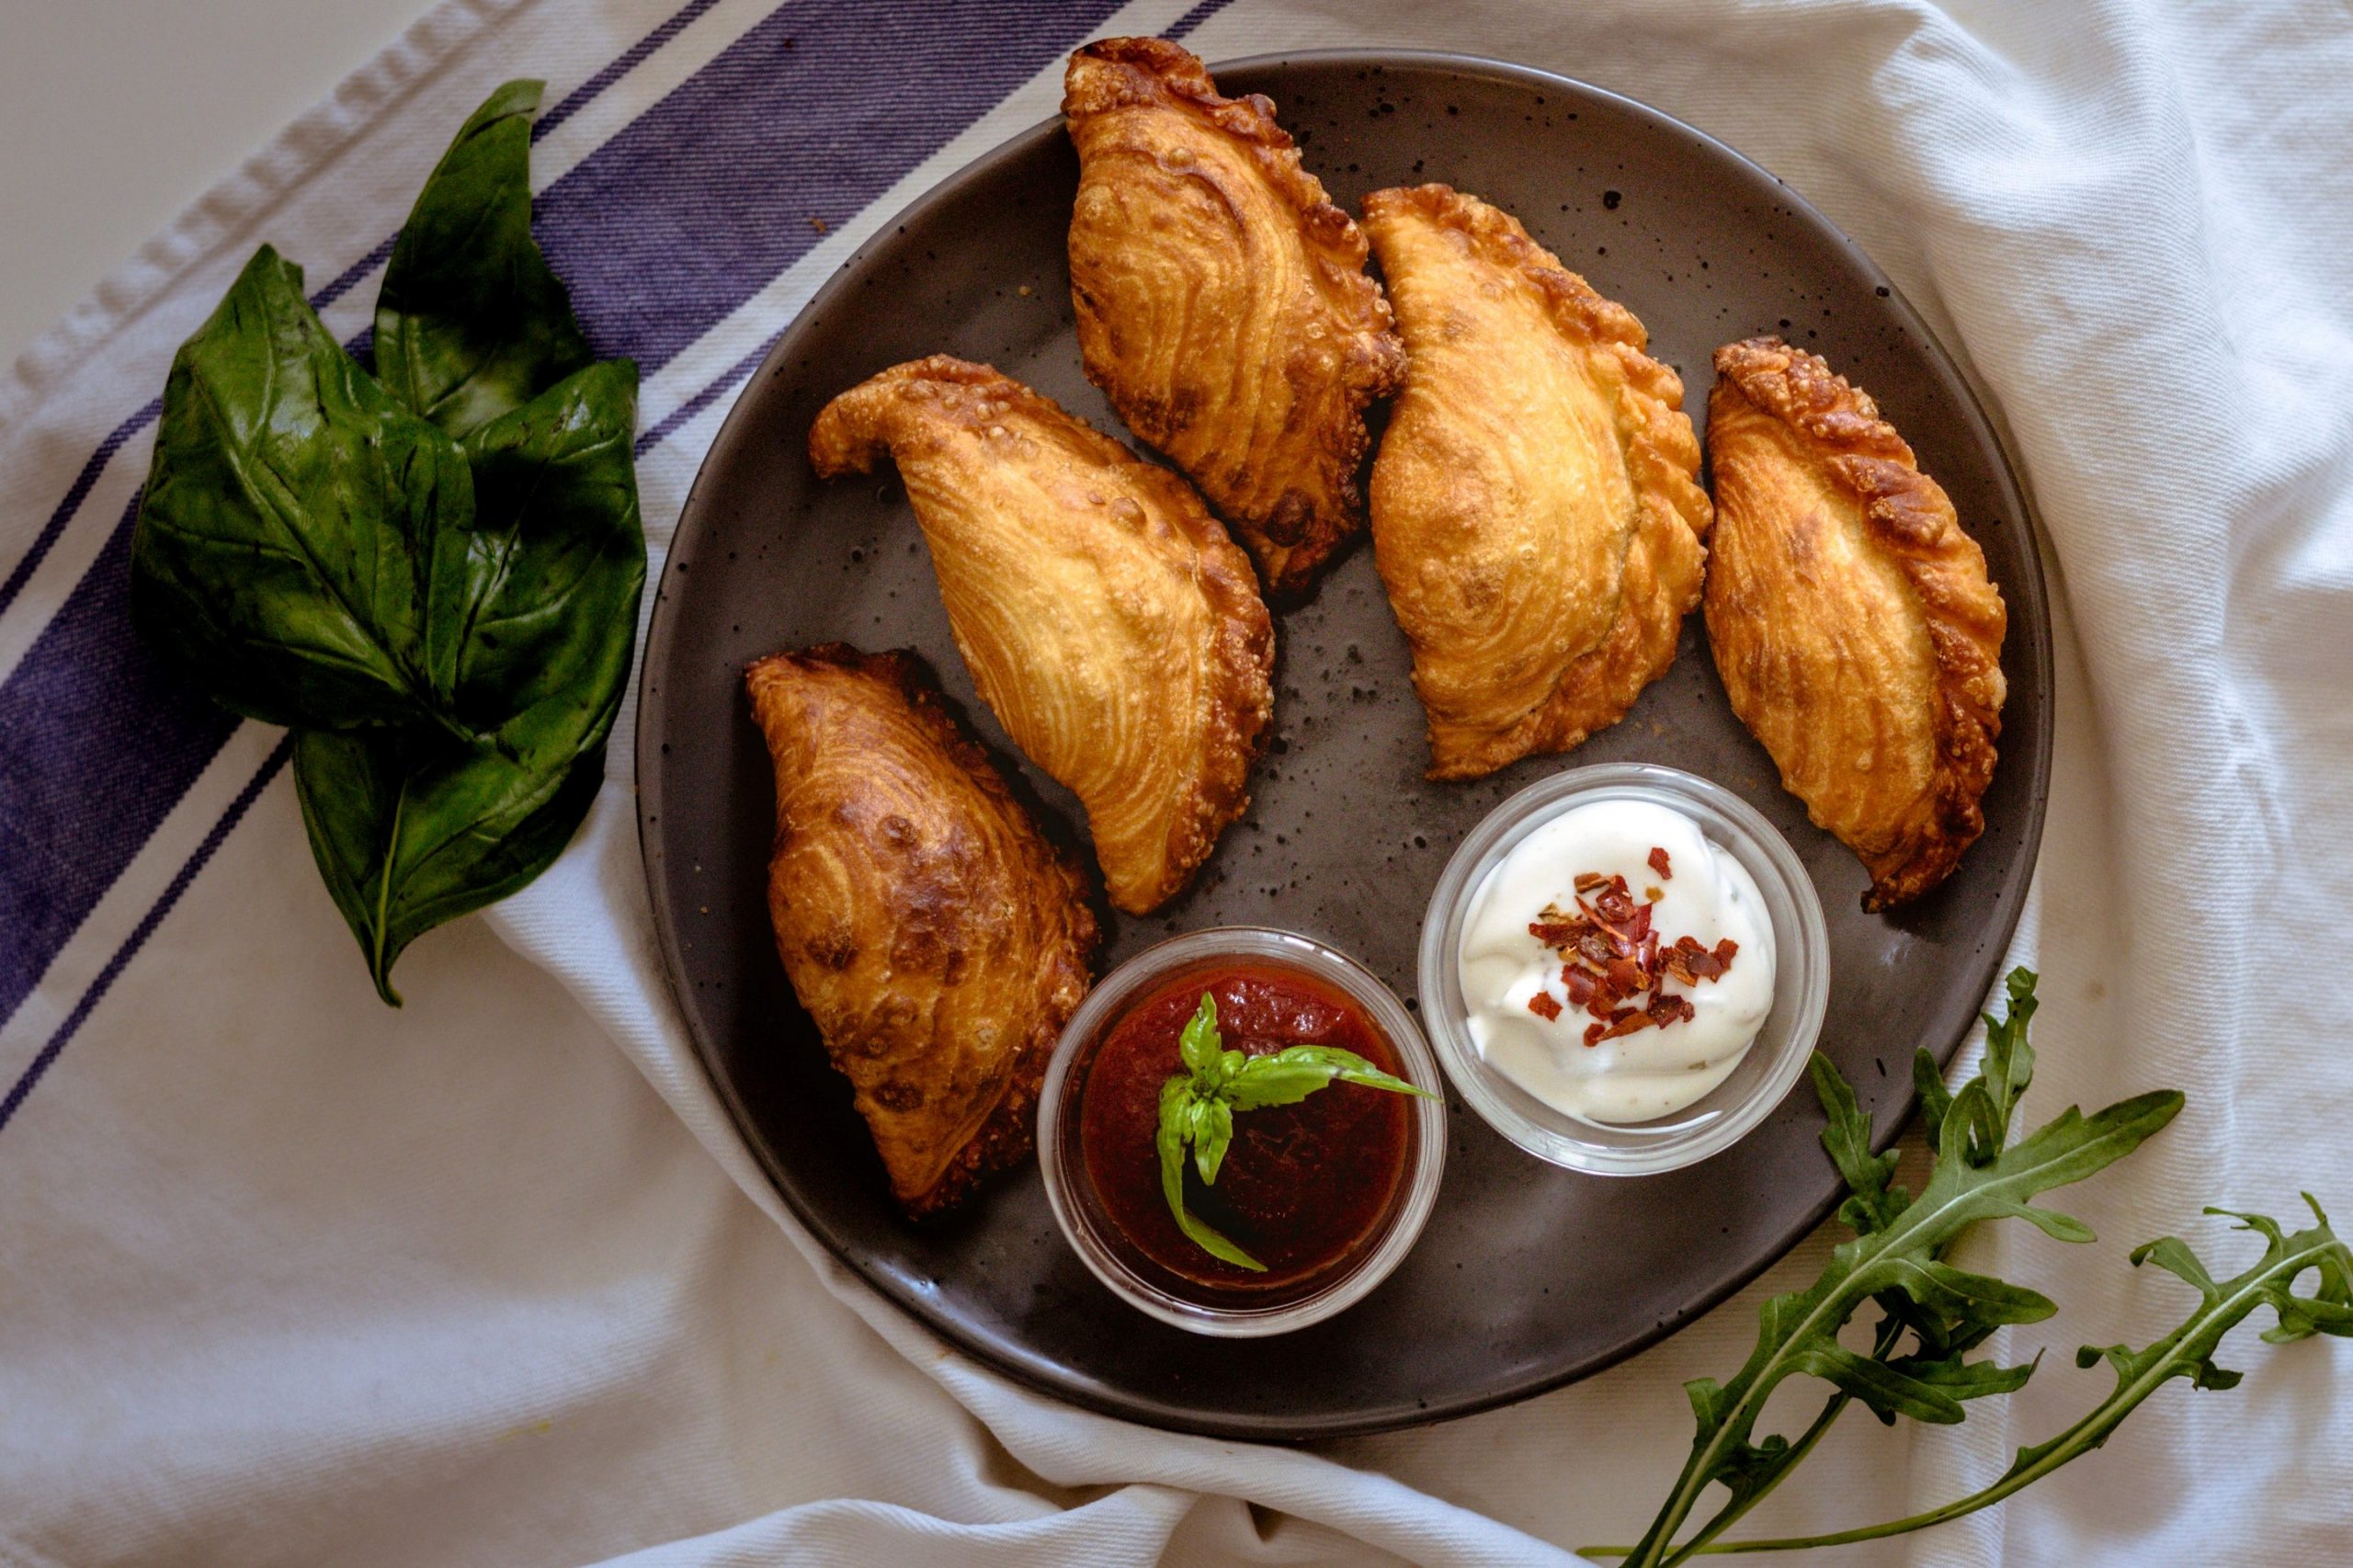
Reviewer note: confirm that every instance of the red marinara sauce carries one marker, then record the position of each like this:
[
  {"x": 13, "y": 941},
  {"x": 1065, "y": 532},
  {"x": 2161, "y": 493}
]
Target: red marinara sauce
[{"x": 1303, "y": 1186}]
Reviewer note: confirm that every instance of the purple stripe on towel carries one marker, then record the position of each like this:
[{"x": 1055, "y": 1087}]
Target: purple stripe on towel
[
  {"x": 145, "y": 928},
  {"x": 649, "y": 234}
]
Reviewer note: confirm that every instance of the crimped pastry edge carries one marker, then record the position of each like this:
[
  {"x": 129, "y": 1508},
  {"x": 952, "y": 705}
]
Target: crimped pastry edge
[
  {"x": 1912, "y": 520},
  {"x": 1006, "y": 1137},
  {"x": 1242, "y": 683},
  {"x": 1662, "y": 458},
  {"x": 1126, "y": 73}
]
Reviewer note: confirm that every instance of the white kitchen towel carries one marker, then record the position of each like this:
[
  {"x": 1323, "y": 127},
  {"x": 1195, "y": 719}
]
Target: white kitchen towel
[{"x": 288, "y": 1278}]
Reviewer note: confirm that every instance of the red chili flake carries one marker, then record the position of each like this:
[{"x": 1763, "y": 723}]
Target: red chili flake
[
  {"x": 1624, "y": 1021},
  {"x": 1543, "y": 1006},
  {"x": 1659, "y": 863},
  {"x": 1614, "y": 954}
]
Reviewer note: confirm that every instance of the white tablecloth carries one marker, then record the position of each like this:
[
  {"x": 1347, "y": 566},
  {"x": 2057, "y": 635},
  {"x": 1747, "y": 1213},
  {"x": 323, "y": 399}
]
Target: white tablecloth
[{"x": 286, "y": 1277}]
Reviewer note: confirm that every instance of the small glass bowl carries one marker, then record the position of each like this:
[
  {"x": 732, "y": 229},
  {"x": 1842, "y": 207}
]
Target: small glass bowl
[
  {"x": 1774, "y": 1060},
  {"x": 1070, "y": 1192}
]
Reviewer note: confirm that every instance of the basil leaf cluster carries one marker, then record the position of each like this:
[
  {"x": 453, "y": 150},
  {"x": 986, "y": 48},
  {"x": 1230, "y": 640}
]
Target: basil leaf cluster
[
  {"x": 1196, "y": 1108},
  {"x": 431, "y": 575}
]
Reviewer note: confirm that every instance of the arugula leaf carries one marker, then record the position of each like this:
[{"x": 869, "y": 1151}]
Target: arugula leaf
[
  {"x": 1176, "y": 1108},
  {"x": 470, "y": 322},
  {"x": 412, "y": 831},
  {"x": 2187, "y": 1353},
  {"x": 1895, "y": 1259},
  {"x": 287, "y": 509}
]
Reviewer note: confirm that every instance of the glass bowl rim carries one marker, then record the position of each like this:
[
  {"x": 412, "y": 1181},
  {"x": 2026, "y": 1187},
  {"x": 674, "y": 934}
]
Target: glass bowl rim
[
  {"x": 1482, "y": 1087},
  {"x": 1320, "y": 960}
]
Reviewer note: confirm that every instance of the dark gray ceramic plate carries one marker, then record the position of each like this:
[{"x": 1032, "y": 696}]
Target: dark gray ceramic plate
[{"x": 1528, "y": 1275}]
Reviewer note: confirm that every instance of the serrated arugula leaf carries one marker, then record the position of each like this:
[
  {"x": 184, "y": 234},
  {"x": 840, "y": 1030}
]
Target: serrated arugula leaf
[
  {"x": 1896, "y": 1258},
  {"x": 1899, "y": 1263},
  {"x": 2009, "y": 1060},
  {"x": 470, "y": 322},
  {"x": 1846, "y": 1138},
  {"x": 289, "y": 509},
  {"x": 2187, "y": 1353},
  {"x": 1936, "y": 1100}
]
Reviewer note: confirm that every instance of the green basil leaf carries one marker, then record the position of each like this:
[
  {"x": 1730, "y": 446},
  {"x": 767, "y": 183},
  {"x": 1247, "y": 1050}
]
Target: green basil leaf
[
  {"x": 288, "y": 509},
  {"x": 537, "y": 596},
  {"x": 411, "y": 831},
  {"x": 470, "y": 322},
  {"x": 1175, "y": 1103},
  {"x": 1290, "y": 1074},
  {"x": 1198, "y": 1045},
  {"x": 1216, "y": 1135},
  {"x": 535, "y": 621}
]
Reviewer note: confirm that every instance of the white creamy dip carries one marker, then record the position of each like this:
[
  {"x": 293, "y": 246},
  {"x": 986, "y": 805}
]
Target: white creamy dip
[{"x": 1654, "y": 1072}]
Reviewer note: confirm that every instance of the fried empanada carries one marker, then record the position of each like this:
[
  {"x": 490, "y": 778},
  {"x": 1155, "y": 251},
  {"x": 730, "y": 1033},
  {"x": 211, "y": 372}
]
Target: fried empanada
[
  {"x": 937, "y": 939},
  {"x": 1537, "y": 515},
  {"x": 1107, "y": 620},
  {"x": 1851, "y": 618},
  {"x": 1223, "y": 302}
]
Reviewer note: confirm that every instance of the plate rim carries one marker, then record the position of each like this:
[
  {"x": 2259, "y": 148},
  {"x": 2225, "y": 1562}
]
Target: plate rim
[{"x": 2028, "y": 596}]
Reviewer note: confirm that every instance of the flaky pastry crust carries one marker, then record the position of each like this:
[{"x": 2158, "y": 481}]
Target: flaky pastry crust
[
  {"x": 1852, "y": 620},
  {"x": 934, "y": 935},
  {"x": 1537, "y": 515},
  {"x": 1223, "y": 302},
  {"x": 1106, "y": 618}
]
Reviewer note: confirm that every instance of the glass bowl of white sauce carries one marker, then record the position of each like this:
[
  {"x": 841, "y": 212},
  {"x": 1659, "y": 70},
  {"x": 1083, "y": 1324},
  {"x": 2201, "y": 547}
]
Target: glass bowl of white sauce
[{"x": 1624, "y": 968}]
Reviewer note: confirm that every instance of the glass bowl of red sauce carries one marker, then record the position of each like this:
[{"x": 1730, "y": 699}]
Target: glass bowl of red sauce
[{"x": 1329, "y": 1193}]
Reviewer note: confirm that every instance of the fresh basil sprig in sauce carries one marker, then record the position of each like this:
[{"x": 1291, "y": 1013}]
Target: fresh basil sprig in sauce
[
  {"x": 432, "y": 577},
  {"x": 1196, "y": 1108}
]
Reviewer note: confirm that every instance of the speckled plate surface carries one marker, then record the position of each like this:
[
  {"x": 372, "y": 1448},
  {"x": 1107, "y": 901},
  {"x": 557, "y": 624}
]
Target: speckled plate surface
[{"x": 1528, "y": 1275}]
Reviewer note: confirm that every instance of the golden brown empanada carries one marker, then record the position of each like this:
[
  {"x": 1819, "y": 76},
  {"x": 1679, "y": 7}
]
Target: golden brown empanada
[
  {"x": 939, "y": 942},
  {"x": 1537, "y": 515},
  {"x": 1851, "y": 618},
  {"x": 1107, "y": 619},
  {"x": 1223, "y": 302}
]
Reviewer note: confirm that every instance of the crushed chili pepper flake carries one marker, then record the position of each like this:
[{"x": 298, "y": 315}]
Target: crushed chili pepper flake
[
  {"x": 1614, "y": 954},
  {"x": 1660, "y": 864}
]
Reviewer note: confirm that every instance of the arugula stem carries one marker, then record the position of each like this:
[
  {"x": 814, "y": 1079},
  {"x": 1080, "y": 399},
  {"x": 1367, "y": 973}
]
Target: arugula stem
[
  {"x": 2087, "y": 1433},
  {"x": 1891, "y": 1331}
]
